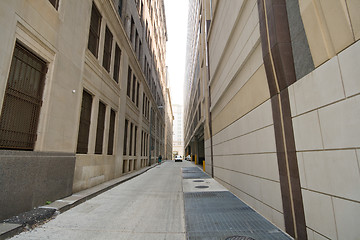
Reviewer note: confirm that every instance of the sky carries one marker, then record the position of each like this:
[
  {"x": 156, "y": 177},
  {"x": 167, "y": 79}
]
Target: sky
[{"x": 176, "y": 22}]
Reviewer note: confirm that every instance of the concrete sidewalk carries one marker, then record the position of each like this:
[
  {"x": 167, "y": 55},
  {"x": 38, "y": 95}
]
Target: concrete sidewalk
[
  {"x": 174, "y": 201},
  {"x": 11, "y": 228}
]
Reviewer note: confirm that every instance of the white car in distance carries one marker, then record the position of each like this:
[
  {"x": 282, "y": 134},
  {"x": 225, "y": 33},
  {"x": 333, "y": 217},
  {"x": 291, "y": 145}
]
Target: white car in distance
[{"x": 178, "y": 158}]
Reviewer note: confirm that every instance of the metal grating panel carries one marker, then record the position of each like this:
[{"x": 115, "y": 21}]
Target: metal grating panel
[
  {"x": 22, "y": 101},
  {"x": 193, "y": 175},
  {"x": 221, "y": 215}
]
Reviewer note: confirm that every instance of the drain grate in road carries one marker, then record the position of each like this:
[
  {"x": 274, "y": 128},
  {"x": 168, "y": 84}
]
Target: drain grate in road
[
  {"x": 201, "y": 186},
  {"x": 221, "y": 215},
  {"x": 198, "y": 181}
]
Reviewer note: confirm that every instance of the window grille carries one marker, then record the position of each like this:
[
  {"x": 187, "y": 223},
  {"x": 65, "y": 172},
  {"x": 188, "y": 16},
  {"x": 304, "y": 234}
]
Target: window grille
[
  {"x": 125, "y": 136},
  {"x": 22, "y": 100},
  {"x": 135, "y": 135},
  {"x": 94, "y": 32},
  {"x": 100, "y": 128},
  {"x": 107, "y": 49},
  {"x": 129, "y": 82},
  {"x": 111, "y": 133},
  {"x": 84, "y": 126},
  {"x": 117, "y": 63},
  {"x": 133, "y": 89},
  {"x": 131, "y": 134},
  {"x": 137, "y": 94}
]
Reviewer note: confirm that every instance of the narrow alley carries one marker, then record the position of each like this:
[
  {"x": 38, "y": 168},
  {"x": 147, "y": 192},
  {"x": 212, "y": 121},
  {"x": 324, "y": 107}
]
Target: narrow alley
[{"x": 169, "y": 201}]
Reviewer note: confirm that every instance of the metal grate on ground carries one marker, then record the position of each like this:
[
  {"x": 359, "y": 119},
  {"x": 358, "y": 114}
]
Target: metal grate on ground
[
  {"x": 221, "y": 215},
  {"x": 190, "y": 169},
  {"x": 193, "y": 173}
]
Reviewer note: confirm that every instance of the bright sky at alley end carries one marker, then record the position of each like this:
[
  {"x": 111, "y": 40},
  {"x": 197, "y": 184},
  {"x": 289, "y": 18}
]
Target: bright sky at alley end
[{"x": 176, "y": 23}]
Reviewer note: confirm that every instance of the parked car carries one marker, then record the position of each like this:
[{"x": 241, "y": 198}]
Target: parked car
[
  {"x": 178, "y": 158},
  {"x": 188, "y": 158}
]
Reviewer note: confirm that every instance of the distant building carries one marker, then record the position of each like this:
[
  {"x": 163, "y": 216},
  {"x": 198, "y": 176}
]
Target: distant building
[
  {"x": 178, "y": 137},
  {"x": 82, "y": 83},
  {"x": 273, "y": 102}
]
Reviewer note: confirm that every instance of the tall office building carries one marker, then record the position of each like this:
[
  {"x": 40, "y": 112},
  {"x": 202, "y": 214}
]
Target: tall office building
[
  {"x": 273, "y": 95},
  {"x": 178, "y": 129},
  {"x": 83, "y": 95}
]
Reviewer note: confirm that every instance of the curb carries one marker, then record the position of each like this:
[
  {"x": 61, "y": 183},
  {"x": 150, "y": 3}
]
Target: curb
[{"x": 8, "y": 230}]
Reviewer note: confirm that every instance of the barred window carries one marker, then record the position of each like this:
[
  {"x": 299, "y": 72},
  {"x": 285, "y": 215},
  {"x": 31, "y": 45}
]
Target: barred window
[
  {"x": 84, "y": 126},
  {"x": 132, "y": 30},
  {"x": 120, "y": 7},
  {"x": 100, "y": 128},
  {"x": 133, "y": 89},
  {"x": 111, "y": 133},
  {"x": 107, "y": 49},
  {"x": 125, "y": 136},
  {"x": 137, "y": 94},
  {"x": 22, "y": 100},
  {"x": 129, "y": 82},
  {"x": 135, "y": 135},
  {"x": 117, "y": 63},
  {"x": 94, "y": 32},
  {"x": 130, "y": 143}
]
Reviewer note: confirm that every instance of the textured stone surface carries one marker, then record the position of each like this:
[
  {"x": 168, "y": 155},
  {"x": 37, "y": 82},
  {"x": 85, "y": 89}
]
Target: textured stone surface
[{"x": 29, "y": 179}]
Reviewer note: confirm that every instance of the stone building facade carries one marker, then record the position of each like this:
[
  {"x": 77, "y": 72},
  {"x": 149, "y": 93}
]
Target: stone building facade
[
  {"x": 82, "y": 95},
  {"x": 278, "y": 106}
]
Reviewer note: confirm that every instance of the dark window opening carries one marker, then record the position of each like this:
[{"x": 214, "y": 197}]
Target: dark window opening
[
  {"x": 133, "y": 89},
  {"x": 137, "y": 94},
  {"x": 22, "y": 100},
  {"x": 125, "y": 136},
  {"x": 100, "y": 128},
  {"x": 107, "y": 49},
  {"x": 129, "y": 82},
  {"x": 120, "y": 7},
  {"x": 111, "y": 133},
  {"x": 117, "y": 63},
  {"x": 135, "y": 143},
  {"x": 84, "y": 126},
  {"x": 131, "y": 134},
  {"x": 55, "y": 3},
  {"x": 94, "y": 33}
]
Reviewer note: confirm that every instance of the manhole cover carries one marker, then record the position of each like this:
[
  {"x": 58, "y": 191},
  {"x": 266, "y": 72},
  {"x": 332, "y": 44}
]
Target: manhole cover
[
  {"x": 198, "y": 181},
  {"x": 201, "y": 186},
  {"x": 239, "y": 238}
]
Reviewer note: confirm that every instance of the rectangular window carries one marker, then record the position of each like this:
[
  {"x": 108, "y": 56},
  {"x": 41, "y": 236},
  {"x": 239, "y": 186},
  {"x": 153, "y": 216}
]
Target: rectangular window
[
  {"x": 94, "y": 32},
  {"x": 137, "y": 94},
  {"x": 142, "y": 143},
  {"x": 55, "y": 3},
  {"x": 140, "y": 51},
  {"x": 120, "y": 7},
  {"x": 136, "y": 42},
  {"x": 135, "y": 135},
  {"x": 133, "y": 89},
  {"x": 111, "y": 133},
  {"x": 107, "y": 49},
  {"x": 22, "y": 100},
  {"x": 129, "y": 82},
  {"x": 84, "y": 126},
  {"x": 125, "y": 136},
  {"x": 117, "y": 63},
  {"x": 100, "y": 128},
  {"x": 132, "y": 30},
  {"x": 131, "y": 134},
  {"x": 143, "y": 105}
]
